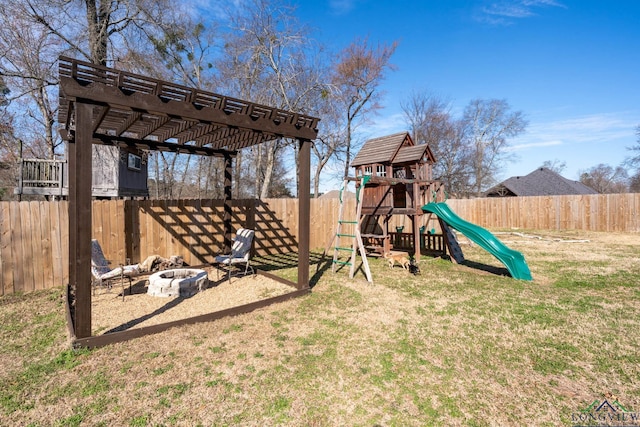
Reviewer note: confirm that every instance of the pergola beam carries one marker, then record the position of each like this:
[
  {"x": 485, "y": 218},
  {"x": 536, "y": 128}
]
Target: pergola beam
[
  {"x": 161, "y": 146},
  {"x": 111, "y": 95}
]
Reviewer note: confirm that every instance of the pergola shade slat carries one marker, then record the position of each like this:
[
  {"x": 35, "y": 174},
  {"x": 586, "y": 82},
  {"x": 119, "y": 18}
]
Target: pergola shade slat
[{"x": 132, "y": 103}]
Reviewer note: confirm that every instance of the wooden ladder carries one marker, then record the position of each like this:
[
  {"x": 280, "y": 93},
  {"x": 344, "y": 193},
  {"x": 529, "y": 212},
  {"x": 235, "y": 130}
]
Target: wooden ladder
[{"x": 353, "y": 233}]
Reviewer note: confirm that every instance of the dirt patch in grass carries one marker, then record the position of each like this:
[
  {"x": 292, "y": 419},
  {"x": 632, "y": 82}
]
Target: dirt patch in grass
[{"x": 111, "y": 313}]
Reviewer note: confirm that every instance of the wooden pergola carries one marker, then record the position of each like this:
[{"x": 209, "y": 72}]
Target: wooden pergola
[{"x": 100, "y": 105}]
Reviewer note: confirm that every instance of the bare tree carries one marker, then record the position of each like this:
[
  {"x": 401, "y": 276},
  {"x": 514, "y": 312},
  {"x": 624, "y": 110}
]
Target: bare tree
[
  {"x": 357, "y": 76},
  {"x": 103, "y": 30},
  {"x": 453, "y": 165},
  {"x": 634, "y": 162},
  {"x": 28, "y": 67},
  {"x": 8, "y": 145},
  {"x": 634, "y": 183},
  {"x": 556, "y": 165},
  {"x": 151, "y": 35},
  {"x": 430, "y": 121},
  {"x": 606, "y": 179},
  {"x": 330, "y": 136},
  {"x": 428, "y": 117},
  {"x": 268, "y": 60},
  {"x": 488, "y": 125}
]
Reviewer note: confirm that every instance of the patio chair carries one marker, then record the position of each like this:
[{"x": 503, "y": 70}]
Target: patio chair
[
  {"x": 103, "y": 274},
  {"x": 240, "y": 253}
]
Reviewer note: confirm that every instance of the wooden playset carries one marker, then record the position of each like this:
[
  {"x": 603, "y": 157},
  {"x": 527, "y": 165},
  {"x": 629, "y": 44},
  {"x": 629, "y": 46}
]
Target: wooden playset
[{"x": 393, "y": 178}]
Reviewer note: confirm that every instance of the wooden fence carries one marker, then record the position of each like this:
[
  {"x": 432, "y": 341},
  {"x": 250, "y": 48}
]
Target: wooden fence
[
  {"x": 595, "y": 212},
  {"x": 34, "y": 235}
]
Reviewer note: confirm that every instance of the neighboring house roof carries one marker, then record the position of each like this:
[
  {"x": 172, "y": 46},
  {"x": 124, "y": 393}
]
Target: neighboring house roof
[
  {"x": 540, "y": 182},
  {"x": 335, "y": 194},
  {"x": 381, "y": 150}
]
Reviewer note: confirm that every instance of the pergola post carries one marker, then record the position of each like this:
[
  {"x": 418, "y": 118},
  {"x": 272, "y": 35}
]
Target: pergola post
[
  {"x": 304, "y": 212},
  {"x": 415, "y": 222},
  {"x": 80, "y": 219},
  {"x": 227, "y": 216}
]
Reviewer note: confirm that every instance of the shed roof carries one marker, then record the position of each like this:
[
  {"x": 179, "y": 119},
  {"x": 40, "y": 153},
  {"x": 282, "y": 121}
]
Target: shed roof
[
  {"x": 135, "y": 110},
  {"x": 380, "y": 150},
  {"x": 540, "y": 182}
]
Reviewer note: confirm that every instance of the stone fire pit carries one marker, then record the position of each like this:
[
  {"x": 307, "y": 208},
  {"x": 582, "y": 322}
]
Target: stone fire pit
[{"x": 184, "y": 282}]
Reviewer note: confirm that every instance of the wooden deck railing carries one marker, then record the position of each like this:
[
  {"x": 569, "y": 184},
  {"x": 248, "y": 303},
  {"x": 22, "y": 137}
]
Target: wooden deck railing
[
  {"x": 429, "y": 243},
  {"x": 41, "y": 176}
]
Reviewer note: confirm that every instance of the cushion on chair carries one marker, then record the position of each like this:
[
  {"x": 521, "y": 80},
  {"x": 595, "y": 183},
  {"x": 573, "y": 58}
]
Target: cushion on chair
[
  {"x": 100, "y": 268},
  {"x": 242, "y": 243},
  {"x": 223, "y": 259},
  {"x": 126, "y": 270}
]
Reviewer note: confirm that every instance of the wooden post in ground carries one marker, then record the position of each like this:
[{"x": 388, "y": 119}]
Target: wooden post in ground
[
  {"x": 415, "y": 222},
  {"x": 80, "y": 219},
  {"x": 304, "y": 212}
]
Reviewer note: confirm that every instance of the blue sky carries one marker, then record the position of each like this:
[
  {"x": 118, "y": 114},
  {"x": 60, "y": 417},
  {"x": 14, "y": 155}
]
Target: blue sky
[{"x": 571, "y": 66}]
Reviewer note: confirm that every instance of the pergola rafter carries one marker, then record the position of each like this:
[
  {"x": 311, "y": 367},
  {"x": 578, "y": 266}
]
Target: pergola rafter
[{"x": 100, "y": 105}]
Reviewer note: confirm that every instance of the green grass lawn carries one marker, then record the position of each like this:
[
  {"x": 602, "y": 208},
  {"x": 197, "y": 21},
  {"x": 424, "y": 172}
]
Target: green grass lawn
[{"x": 455, "y": 345}]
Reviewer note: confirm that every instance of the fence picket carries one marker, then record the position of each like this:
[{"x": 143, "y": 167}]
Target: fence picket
[{"x": 34, "y": 236}]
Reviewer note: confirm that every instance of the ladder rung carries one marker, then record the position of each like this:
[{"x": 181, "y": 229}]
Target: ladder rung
[
  {"x": 338, "y": 248},
  {"x": 346, "y": 235},
  {"x": 342, "y": 262},
  {"x": 347, "y": 222}
]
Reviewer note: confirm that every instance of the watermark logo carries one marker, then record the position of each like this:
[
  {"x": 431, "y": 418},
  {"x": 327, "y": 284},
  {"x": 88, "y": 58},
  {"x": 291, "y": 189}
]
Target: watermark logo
[{"x": 607, "y": 413}]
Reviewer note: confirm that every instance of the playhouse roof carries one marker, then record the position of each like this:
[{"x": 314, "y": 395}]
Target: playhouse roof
[
  {"x": 540, "y": 182},
  {"x": 413, "y": 154},
  {"x": 380, "y": 150},
  {"x": 394, "y": 149}
]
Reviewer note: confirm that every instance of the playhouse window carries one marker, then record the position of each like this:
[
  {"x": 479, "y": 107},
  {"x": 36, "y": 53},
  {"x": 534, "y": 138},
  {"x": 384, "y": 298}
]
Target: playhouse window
[
  {"x": 381, "y": 170},
  {"x": 134, "y": 162},
  {"x": 368, "y": 170},
  {"x": 399, "y": 173}
]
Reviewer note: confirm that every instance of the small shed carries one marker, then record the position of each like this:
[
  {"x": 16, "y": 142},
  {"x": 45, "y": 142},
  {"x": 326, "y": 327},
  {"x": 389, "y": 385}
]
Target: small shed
[{"x": 117, "y": 172}]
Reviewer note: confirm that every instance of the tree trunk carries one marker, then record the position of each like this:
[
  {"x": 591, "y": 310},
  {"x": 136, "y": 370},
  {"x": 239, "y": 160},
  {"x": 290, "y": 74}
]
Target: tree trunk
[
  {"x": 43, "y": 103},
  {"x": 268, "y": 169},
  {"x": 155, "y": 156},
  {"x": 348, "y": 153},
  {"x": 316, "y": 181},
  {"x": 258, "y": 171},
  {"x": 237, "y": 173},
  {"x": 184, "y": 177},
  {"x": 97, "y": 20},
  {"x": 295, "y": 156}
]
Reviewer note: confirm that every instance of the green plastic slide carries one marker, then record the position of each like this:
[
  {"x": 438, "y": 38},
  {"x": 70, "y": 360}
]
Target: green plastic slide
[{"x": 513, "y": 260}]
